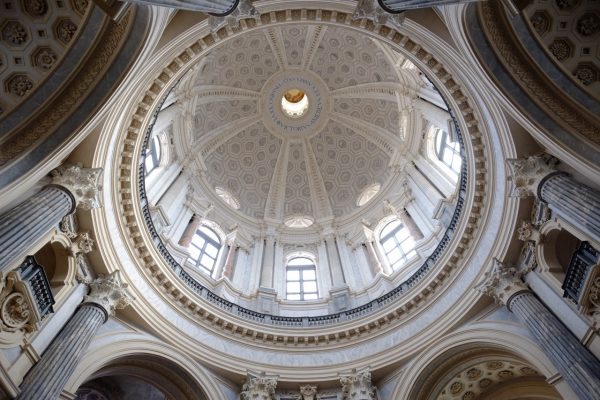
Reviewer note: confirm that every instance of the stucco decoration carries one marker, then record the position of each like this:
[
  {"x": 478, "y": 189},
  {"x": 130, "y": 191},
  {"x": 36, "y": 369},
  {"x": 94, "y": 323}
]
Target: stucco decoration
[
  {"x": 18, "y": 310},
  {"x": 83, "y": 183},
  {"x": 502, "y": 282},
  {"x": 259, "y": 387},
  {"x": 308, "y": 392},
  {"x": 371, "y": 10},
  {"x": 357, "y": 385},
  {"x": 110, "y": 292}
]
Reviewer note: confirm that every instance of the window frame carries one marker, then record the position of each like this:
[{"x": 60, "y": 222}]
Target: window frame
[
  {"x": 301, "y": 268},
  {"x": 441, "y": 146},
  {"x": 208, "y": 241},
  {"x": 405, "y": 256},
  {"x": 154, "y": 153}
]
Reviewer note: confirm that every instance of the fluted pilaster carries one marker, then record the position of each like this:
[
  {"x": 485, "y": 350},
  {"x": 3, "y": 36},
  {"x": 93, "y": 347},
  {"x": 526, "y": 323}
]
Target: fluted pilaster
[
  {"x": 266, "y": 273},
  {"x": 335, "y": 264},
  {"x": 29, "y": 221},
  {"x": 229, "y": 261}
]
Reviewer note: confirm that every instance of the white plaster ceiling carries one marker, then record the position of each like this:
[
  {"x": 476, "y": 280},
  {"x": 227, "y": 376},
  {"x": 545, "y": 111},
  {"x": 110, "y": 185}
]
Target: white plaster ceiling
[{"x": 316, "y": 165}]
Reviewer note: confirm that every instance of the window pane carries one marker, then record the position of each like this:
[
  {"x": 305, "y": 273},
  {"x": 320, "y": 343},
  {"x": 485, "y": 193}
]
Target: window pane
[
  {"x": 300, "y": 261},
  {"x": 308, "y": 275},
  {"x": 194, "y": 252},
  {"x": 198, "y": 240},
  {"x": 207, "y": 261},
  {"x": 211, "y": 250},
  {"x": 407, "y": 245},
  {"x": 293, "y": 287},
  {"x": 210, "y": 234},
  {"x": 293, "y": 297},
  {"x": 402, "y": 234},
  {"x": 310, "y": 287},
  {"x": 394, "y": 256},
  {"x": 293, "y": 275},
  {"x": 389, "y": 228},
  {"x": 156, "y": 147},
  {"x": 389, "y": 245},
  {"x": 312, "y": 296},
  {"x": 149, "y": 164}
]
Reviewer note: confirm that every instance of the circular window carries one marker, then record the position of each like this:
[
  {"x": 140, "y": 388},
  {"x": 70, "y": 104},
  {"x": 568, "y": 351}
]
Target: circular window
[{"x": 294, "y": 103}]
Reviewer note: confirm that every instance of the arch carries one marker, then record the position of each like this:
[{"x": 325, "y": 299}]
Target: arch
[
  {"x": 499, "y": 338},
  {"x": 205, "y": 248},
  {"x": 59, "y": 266},
  {"x": 103, "y": 355},
  {"x": 397, "y": 243}
]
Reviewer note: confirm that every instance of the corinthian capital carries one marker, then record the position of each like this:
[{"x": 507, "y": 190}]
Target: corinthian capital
[
  {"x": 109, "y": 292},
  {"x": 259, "y": 387},
  {"x": 502, "y": 282},
  {"x": 357, "y": 385},
  {"x": 308, "y": 392},
  {"x": 83, "y": 183},
  {"x": 527, "y": 173}
]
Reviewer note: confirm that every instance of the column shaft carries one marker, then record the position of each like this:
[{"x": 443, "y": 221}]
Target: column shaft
[
  {"x": 374, "y": 261},
  {"x": 207, "y": 6},
  {"x": 575, "y": 202},
  {"x": 410, "y": 224},
  {"x": 25, "y": 224},
  {"x": 228, "y": 269},
  {"x": 266, "y": 273},
  {"x": 337, "y": 274},
  {"x": 48, "y": 377},
  {"x": 577, "y": 365},
  {"x": 190, "y": 231}
]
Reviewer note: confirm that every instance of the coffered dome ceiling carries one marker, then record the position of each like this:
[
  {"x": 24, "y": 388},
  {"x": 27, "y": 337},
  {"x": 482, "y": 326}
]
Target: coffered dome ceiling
[{"x": 355, "y": 93}]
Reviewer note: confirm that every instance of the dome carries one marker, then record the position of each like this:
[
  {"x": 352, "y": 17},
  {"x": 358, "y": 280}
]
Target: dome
[
  {"x": 315, "y": 165},
  {"x": 303, "y": 141}
]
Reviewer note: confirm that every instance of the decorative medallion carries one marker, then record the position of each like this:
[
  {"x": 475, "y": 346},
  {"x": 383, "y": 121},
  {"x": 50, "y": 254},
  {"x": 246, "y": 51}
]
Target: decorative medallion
[{"x": 14, "y": 33}]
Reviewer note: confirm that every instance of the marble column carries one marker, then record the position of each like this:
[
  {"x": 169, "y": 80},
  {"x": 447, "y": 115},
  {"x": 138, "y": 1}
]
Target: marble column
[
  {"x": 373, "y": 259},
  {"x": 575, "y": 202},
  {"x": 577, "y": 365},
  {"x": 29, "y": 221},
  {"x": 230, "y": 261},
  {"x": 266, "y": 273},
  {"x": 259, "y": 387},
  {"x": 410, "y": 224},
  {"x": 49, "y": 375},
  {"x": 190, "y": 230},
  {"x": 357, "y": 385},
  {"x": 335, "y": 264}
]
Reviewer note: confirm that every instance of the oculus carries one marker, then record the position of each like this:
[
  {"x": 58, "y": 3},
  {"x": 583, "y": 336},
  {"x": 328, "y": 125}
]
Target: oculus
[{"x": 294, "y": 103}]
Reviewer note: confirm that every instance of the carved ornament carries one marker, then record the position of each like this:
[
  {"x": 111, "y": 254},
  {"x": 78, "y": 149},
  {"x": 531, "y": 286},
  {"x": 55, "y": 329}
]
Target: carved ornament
[
  {"x": 83, "y": 183},
  {"x": 110, "y": 292},
  {"x": 371, "y": 10},
  {"x": 244, "y": 10},
  {"x": 527, "y": 173},
  {"x": 18, "y": 310},
  {"x": 502, "y": 282},
  {"x": 259, "y": 387},
  {"x": 357, "y": 385}
]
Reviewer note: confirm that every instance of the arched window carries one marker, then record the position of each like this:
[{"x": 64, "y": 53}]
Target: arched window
[
  {"x": 301, "y": 279},
  {"x": 397, "y": 243},
  {"x": 204, "y": 248},
  {"x": 447, "y": 152},
  {"x": 152, "y": 160}
]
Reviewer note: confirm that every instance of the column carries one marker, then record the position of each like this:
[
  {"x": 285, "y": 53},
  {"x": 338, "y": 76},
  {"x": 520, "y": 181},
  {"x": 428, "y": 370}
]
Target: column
[
  {"x": 28, "y": 222},
  {"x": 190, "y": 230},
  {"x": 259, "y": 386},
  {"x": 266, "y": 273},
  {"x": 575, "y": 202},
  {"x": 373, "y": 259},
  {"x": 229, "y": 261},
  {"x": 576, "y": 364},
  {"x": 47, "y": 378},
  {"x": 394, "y": 6},
  {"x": 410, "y": 224},
  {"x": 357, "y": 385},
  {"x": 337, "y": 274}
]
